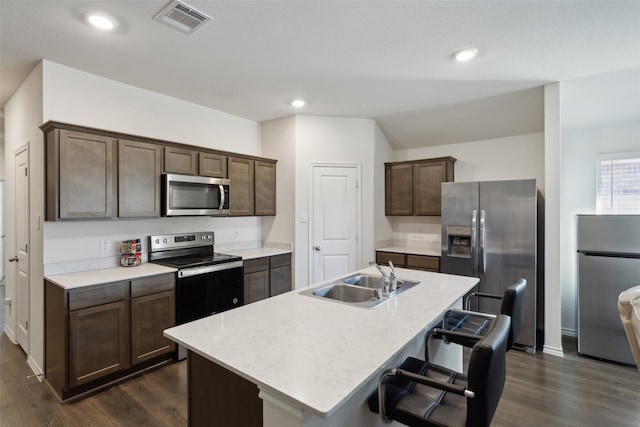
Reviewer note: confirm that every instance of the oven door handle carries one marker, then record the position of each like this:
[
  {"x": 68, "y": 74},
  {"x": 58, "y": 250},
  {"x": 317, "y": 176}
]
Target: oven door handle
[{"x": 187, "y": 272}]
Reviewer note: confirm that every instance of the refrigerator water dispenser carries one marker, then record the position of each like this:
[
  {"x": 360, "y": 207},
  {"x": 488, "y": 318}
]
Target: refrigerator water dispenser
[{"x": 459, "y": 241}]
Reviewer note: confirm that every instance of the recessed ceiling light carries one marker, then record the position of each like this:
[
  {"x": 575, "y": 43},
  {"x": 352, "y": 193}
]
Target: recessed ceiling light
[
  {"x": 465, "y": 54},
  {"x": 298, "y": 103},
  {"x": 101, "y": 21}
]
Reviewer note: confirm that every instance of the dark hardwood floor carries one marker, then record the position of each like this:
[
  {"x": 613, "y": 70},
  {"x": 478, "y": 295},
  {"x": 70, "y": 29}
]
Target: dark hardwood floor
[
  {"x": 158, "y": 398},
  {"x": 545, "y": 390},
  {"x": 540, "y": 390}
]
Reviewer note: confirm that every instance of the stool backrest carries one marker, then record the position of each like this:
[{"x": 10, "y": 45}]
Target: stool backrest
[
  {"x": 487, "y": 373},
  {"x": 513, "y": 306}
]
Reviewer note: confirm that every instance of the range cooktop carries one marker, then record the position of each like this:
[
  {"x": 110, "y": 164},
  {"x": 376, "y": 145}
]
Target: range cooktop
[{"x": 197, "y": 261}]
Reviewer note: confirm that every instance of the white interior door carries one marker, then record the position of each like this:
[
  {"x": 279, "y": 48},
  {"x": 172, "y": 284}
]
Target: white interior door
[
  {"x": 22, "y": 249},
  {"x": 335, "y": 223}
]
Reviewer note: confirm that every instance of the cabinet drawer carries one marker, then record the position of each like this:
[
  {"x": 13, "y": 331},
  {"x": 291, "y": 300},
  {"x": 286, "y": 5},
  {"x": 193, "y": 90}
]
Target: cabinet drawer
[
  {"x": 280, "y": 260},
  {"x": 97, "y": 295},
  {"x": 423, "y": 262},
  {"x": 152, "y": 284},
  {"x": 395, "y": 258},
  {"x": 256, "y": 264}
]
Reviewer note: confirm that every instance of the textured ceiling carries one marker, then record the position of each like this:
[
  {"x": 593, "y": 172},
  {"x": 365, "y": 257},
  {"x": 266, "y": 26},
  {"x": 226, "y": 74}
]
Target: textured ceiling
[{"x": 386, "y": 60}]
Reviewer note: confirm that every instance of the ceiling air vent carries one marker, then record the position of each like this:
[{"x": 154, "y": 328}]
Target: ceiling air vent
[{"x": 182, "y": 17}]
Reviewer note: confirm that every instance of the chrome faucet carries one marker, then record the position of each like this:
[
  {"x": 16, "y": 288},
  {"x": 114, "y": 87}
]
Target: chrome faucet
[
  {"x": 390, "y": 281},
  {"x": 385, "y": 277},
  {"x": 393, "y": 278}
]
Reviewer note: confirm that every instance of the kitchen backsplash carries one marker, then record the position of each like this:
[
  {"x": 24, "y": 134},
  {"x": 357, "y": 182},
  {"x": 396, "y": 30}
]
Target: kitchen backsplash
[
  {"x": 416, "y": 232},
  {"x": 114, "y": 261}
]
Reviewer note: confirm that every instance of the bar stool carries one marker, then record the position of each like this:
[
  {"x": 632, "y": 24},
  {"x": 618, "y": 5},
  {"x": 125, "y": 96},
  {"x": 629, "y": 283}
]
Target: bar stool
[
  {"x": 420, "y": 393},
  {"x": 477, "y": 323}
]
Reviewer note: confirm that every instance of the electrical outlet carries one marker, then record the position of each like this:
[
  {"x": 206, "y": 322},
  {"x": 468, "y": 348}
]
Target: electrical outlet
[{"x": 104, "y": 246}]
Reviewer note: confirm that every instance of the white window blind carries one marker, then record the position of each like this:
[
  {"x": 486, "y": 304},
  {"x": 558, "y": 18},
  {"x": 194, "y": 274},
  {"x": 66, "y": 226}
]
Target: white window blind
[{"x": 618, "y": 186}]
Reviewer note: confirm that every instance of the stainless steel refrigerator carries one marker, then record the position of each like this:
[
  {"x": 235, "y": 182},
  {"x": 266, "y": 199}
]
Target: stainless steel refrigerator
[
  {"x": 608, "y": 263},
  {"x": 490, "y": 231}
]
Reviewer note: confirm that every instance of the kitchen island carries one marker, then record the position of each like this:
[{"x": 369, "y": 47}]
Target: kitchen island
[{"x": 296, "y": 360}]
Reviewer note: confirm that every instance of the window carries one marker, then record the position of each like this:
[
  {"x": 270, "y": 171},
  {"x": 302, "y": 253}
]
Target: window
[{"x": 618, "y": 186}]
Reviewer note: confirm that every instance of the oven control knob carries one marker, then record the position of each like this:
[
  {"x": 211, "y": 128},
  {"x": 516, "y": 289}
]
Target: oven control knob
[
  {"x": 235, "y": 300},
  {"x": 165, "y": 240},
  {"x": 157, "y": 241}
]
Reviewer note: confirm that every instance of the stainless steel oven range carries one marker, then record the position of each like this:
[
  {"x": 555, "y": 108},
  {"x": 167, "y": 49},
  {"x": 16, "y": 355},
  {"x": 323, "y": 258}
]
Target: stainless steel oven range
[{"x": 206, "y": 282}]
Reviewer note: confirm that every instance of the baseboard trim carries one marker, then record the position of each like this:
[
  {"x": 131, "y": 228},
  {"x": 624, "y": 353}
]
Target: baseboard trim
[
  {"x": 37, "y": 372},
  {"x": 10, "y": 334},
  {"x": 555, "y": 351}
]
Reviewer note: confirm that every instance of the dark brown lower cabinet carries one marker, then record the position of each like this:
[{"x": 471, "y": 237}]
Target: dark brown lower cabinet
[
  {"x": 266, "y": 277},
  {"x": 97, "y": 342},
  {"x": 256, "y": 279},
  {"x": 97, "y": 334},
  {"x": 218, "y": 397},
  {"x": 397, "y": 259},
  {"x": 415, "y": 262},
  {"x": 150, "y": 315},
  {"x": 280, "y": 274}
]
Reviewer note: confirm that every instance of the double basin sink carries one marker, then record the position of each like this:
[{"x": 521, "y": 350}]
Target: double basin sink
[{"x": 360, "y": 290}]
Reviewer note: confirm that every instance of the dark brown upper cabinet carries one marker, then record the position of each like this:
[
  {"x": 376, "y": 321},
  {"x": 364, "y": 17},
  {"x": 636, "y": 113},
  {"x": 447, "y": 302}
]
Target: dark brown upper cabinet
[
  {"x": 265, "y": 188},
  {"x": 101, "y": 174},
  {"x": 139, "y": 170},
  {"x": 180, "y": 160},
  {"x": 81, "y": 175},
  {"x": 213, "y": 165},
  {"x": 241, "y": 192},
  {"x": 414, "y": 187}
]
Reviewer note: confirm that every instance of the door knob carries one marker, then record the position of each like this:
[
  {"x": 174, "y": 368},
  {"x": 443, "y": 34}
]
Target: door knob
[
  {"x": 14, "y": 259},
  {"x": 317, "y": 248}
]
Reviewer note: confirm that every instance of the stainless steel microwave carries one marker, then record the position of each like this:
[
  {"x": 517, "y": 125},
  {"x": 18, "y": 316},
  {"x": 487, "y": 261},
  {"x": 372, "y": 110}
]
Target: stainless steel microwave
[{"x": 186, "y": 195}]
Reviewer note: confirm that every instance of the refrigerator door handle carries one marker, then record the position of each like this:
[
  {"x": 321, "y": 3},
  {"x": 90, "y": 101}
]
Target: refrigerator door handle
[
  {"x": 481, "y": 252},
  {"x": 474, "y": 255}
]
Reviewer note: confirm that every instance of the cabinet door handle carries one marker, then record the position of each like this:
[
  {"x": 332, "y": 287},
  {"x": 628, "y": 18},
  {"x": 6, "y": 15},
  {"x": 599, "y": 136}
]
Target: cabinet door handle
[
  {"x": 317, "y": 248},
  {"x": 14, "y": 259}
]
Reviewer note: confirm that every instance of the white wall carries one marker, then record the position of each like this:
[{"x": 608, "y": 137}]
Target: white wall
[
  {"x": 23, "y": 115},
  {"x": 382, "y": 228},
  {"x": 56, "y": 92},
  {"x": 93, "y": 101},
  {"x": 279, "y": 142},
  {"x": 553, "y": 194},
  {"x": 2, "y": 149},
  {"x": 333, "y": 140},
  {"x": 580, "y": 147},
  {"x": 515, "y": 157},
  {"x": 77, "y": 97}
]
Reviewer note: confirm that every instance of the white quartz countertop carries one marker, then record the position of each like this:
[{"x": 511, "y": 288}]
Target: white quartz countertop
[
  {"x": 106, "y": 275},
  {"x": 315, "y": 353},
  {"x": 433, "y": 250},
  {"x": 258, "y": 253}
]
